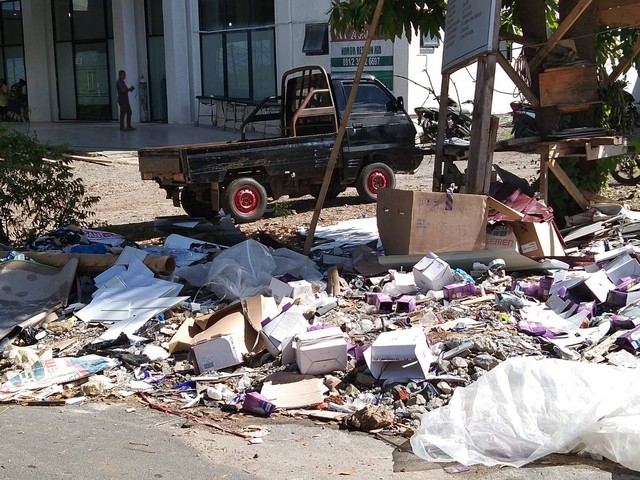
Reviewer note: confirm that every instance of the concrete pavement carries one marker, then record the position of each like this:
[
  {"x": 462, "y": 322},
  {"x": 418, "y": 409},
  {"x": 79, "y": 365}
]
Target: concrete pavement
[{"x": 102, "y": 440}]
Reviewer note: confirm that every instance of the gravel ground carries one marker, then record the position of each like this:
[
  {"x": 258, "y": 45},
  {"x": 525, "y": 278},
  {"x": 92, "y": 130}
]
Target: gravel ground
[{"x": 127, "y": 200}]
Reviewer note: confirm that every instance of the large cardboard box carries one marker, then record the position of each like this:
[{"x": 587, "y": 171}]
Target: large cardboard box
[{"x": 411, "y": 223}]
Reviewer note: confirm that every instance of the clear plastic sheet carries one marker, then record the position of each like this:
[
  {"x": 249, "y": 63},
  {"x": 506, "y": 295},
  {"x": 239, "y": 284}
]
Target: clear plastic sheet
[{"x": 525, "y": 409}]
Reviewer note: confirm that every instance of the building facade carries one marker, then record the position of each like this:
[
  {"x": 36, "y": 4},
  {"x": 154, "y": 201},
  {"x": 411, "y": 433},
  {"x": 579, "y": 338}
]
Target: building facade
[{"x": 69, "y": 53}]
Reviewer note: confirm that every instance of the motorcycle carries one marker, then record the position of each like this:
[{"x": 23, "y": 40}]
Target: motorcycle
[
  {"x": 523, "y": 120},
  {"x": 627, "y": 171},
  {"x": 458, "y": 121}
]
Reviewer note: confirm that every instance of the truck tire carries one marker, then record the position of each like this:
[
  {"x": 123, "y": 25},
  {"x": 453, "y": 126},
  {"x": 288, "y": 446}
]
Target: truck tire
[
  {"x": 192, "y": 206},
  {"x": 372, "y": 178},
  {"x": 245, "y": 200}
]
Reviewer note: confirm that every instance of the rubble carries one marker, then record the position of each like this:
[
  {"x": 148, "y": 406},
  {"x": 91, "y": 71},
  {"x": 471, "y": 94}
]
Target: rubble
[{"x": 192, "y": 326}]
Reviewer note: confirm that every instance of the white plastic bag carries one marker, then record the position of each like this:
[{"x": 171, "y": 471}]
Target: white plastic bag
[
  {"x": 525, "y": 409},
  {"x": 241, "y": 271}
]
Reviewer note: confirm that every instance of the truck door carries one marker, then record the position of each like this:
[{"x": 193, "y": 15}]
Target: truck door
[{"x": 378, "y": 126}]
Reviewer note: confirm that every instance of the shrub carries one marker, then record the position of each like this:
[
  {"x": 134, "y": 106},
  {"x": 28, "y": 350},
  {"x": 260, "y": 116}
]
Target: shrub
[{"x": 38, "y": 191}]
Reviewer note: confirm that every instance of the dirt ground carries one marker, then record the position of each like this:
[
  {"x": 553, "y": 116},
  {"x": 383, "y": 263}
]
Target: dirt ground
[{"x": 127, "y": 201}]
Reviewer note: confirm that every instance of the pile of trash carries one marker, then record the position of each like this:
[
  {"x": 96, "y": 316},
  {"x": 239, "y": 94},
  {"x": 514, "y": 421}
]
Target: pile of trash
[{"x": 501, "y": 342}]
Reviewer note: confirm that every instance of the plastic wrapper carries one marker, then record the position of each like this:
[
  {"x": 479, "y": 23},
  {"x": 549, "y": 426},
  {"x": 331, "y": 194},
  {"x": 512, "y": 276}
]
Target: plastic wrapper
[
  {"x": 241, "y": 271},
  {"x": 45, "y": 373},
  {"x": 525, "y": 409}
]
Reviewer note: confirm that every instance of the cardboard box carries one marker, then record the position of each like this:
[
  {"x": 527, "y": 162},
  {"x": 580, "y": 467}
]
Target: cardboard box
[
  {"x": 217, "y": 353},
  {"x": 411, "y": 223},
  {"x": 241, "y": 318},
  {"x": 406, "y": 304},
  {"x": 401, "y": 354},
  {"x": 538, "y": 239},
  {"x": 432, "y": 273},
  {"x": 278, "y": 332},
  {"x": 321, "y": 351},
  {"x": 500, "y": 235}
]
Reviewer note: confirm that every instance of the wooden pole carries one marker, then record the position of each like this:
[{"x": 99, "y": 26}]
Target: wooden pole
[
  {"x": 343, "y": 125},
  {"x": 440, "y": 158},
  {"x": 480, "y": 161}
]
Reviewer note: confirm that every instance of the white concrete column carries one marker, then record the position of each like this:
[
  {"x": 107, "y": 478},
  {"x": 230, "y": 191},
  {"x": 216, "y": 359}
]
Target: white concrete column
[
  {"x": 34, "y": 20},
  {"x": 126, "y": 47},
  {"x": 177, "y": 67}
]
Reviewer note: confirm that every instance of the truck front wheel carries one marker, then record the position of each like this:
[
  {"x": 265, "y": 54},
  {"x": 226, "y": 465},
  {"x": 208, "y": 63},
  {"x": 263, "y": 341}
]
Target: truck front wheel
[
  {"x": 372, "y": 178},
  {"x": 245, "y": 200}
]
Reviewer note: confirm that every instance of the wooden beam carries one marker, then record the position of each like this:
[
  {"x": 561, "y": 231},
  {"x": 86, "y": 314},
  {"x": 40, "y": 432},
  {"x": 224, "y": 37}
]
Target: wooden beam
[
  {"x": 625, "y": 63},
  {"x": 333, "y": 157},
  {"x": 563, "y": 28},
  {"x": 498, "y": 206},
  {"x": 566, "y": 182},
  {"x": 479, "y": 157},
  {"x": 520, "y": 83}
]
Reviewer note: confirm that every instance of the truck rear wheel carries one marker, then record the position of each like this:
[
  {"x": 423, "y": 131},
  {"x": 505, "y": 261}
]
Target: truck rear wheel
[
  {"x": 372, "y": 178},
  {"x": 192, "y": 205},
  {"x": 245, "y": 200}
]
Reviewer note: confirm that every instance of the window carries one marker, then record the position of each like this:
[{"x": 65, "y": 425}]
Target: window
[
  {"x": 237, "y": 45},
  {"x": 316, "y": 39},
  {"x": 12, "y": 67}
]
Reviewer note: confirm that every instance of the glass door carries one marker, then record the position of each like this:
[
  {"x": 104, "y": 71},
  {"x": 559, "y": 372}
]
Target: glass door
[{"x": 92, "y": 81}]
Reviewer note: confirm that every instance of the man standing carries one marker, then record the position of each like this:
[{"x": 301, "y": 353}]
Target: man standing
[{"x": 123, "y": 101}]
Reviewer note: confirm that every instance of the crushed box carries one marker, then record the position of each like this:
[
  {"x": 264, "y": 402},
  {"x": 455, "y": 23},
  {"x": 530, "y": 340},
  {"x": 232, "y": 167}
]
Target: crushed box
[
  {"x": 432, "y": 273},
  {"x": 402, "y": 354}
]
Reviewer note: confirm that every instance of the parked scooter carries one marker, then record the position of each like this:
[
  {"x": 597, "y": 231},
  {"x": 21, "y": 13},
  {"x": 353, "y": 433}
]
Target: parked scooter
[
  {"x": 458, "y": 121},
  {"x": 627, "y": 170},
  {"x": 523, "y": 120}
]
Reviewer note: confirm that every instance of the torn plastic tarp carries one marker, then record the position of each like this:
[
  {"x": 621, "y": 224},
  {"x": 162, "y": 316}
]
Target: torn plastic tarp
[
  {"x": 45, "y": 373},
  {"x": 525, "y": 409},
  {"x": 28, "y": 288}
]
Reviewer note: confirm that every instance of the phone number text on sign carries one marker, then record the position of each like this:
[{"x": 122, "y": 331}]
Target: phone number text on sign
[{"x": 355, "y": 61}]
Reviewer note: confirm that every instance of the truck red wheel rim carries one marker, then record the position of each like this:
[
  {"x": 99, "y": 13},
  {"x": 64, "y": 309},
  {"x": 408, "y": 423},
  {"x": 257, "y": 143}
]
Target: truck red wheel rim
[
  {"x": 376, "y": 180},
  {"x": 246, "y": 200}
]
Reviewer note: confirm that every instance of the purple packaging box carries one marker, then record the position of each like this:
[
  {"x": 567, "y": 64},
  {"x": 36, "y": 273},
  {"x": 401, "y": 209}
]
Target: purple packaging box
[
  {"x": 383, "y": 302},
  {"x": 630, "y": 340},
  {"x": 625, "y": 283},
  {"x": 532, "y": 328},
  {"x": 405, "y": 304},
  {"x": 258, "y": 404},
  {"x": 457, "y": 291}
]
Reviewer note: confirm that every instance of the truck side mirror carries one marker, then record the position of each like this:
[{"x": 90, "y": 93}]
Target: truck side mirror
[{"x": 400, "y": 101}]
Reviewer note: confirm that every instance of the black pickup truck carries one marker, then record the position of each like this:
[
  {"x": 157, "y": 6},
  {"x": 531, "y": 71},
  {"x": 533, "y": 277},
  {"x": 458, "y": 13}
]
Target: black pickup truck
[{"x": 240, "y": 176}]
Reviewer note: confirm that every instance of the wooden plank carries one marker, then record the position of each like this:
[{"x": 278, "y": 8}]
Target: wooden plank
[
  {"x": 498, "y": 206},
  {"x": 625, "y": 62},
  {"x": 568, "y": 22},
  {"x": 566, "y": 182},
  {"x": 618, "y": 13},
  {"x": 568, "y": 85},
  {"x": 520, "y": 83}
]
